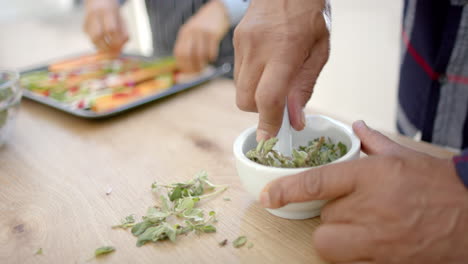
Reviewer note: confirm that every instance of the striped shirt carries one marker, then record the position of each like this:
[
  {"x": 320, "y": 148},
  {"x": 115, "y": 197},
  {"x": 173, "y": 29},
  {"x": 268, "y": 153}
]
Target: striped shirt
[
  {"x": 167, "y": 16},
  {"x": 433, "y": 89}
]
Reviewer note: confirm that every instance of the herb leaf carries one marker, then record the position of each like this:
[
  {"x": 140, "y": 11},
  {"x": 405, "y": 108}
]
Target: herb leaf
[
  {"x": 103, "y": 250},
  {"x": 127, "y": 222},
  {"x": 141, "y": 227},
  {"x": 39, "y": 252},
  {"x": 239, "y": 242},
  {"x": 208, "y": 229}
]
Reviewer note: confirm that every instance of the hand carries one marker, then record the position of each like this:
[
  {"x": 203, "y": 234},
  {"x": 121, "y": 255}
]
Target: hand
[
  {"x": 104, "y": 25},
  {"x": 396, "y": 206},
  {"x": 198, "y": 40},
  {"x": 280, "y": 48}
]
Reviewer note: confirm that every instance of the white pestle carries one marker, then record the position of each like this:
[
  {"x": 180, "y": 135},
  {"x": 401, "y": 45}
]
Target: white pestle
[{"x": 284, "y": 145}]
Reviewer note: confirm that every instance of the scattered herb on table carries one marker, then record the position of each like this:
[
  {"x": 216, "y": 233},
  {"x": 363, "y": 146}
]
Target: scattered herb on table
[
  {"x": 250, "y": 245},
  {"x": 239, "y": 242},
  {"x": 39, "y": 252},
  {"x": 223, "y": 243},
  {"x": 127, "y": 222},
  {"x": 227, "y": 199},
  {"x": 177, "y": 212},
  {"x": 103, "y": 251},
  {"x": 318, "y": 152}
]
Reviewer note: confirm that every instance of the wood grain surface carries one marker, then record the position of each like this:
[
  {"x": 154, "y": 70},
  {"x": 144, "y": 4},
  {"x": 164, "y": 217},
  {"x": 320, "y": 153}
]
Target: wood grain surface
[{"x": 56, "y": 169}]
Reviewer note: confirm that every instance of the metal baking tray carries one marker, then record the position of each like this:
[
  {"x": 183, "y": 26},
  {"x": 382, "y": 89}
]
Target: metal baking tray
[{"x": 89, "y": 114}]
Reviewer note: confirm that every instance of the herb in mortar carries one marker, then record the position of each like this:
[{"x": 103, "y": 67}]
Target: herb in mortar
[
  {"x": 318, "y": 152},
  {"x": 177, "y": 211}
]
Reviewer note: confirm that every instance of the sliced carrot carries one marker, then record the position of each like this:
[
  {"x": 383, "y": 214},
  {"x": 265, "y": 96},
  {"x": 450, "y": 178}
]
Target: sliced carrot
[
  {"x": 157, "y": 85},
  {"x": 141, "y": 75},
  {"x": 112, "y": 101},
  {"x": 73, "y": 63}
]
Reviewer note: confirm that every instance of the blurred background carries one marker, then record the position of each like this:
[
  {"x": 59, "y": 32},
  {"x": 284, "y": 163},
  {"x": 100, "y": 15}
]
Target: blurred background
[{"x": 359, "y": 81}]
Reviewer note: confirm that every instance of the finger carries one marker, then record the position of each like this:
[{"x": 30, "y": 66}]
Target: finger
[
  {"x": 100, "y": 40},
  {"x": 183, "y": 49},
  {"x": 201, "y": 52},
  {"x": 94, "y": 30},
  {"x": 246, "y": 85},
  {"x": 270, "y": 98},
  {"x": 323, "y": 183},
  {"x": 213, "y": 49},
  {"x": 238, "y": 54},
  {"x": 374, "y": 143},
  {"x": 338, "y": 211},
  {"x": 113, "y": 29},
  {"x": 343, "y": 243},
  {"x": 302, "y": 85},
  {"x": 178, "y": 50}
]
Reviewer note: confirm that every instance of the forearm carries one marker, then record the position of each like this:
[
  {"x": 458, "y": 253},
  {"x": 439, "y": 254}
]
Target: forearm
[{"x": 461, "y": 164}]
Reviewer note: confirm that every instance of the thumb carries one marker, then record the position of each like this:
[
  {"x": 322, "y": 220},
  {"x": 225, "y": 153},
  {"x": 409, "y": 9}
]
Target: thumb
[
  {"x": 321, "y": 183},
  {"x": 375, "y": 143}
]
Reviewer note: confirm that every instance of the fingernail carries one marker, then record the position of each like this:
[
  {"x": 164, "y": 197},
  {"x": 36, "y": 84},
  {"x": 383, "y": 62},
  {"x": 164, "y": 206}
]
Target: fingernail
[
  {"x": 360, "y": 124},
  {"x": 262, "y": 135},
  {"x": 265, "y": 199}
]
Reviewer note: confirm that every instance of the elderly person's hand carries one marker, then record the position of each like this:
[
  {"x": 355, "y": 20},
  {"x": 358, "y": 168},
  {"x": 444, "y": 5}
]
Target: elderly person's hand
[
  {"x": 395, "y": 206},
  {"x": 280, "y": 48},
  {"x": 198, "y": 40},
  {"x": 104, "y": 25}
]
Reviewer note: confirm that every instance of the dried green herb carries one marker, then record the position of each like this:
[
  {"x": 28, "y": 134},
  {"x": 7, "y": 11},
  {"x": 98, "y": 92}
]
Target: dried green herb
[
  {"x": 318, "y": 152},
  {"x": 103, "y": 250},
  {"x": 239, "y": 242},
  {"x": 227, "y": 199},
  {"x": 177, "y": 211},
  {"x": 127, "y": 222},
  {"x": 196, "y": 187},
  {"x": 250, "y": 245},
  {"x": 223, "y": 243},
  {"x": 39, "y": 252}
]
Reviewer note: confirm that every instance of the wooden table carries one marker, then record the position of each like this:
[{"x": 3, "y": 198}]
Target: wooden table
[{"x": 55, "y": 171}]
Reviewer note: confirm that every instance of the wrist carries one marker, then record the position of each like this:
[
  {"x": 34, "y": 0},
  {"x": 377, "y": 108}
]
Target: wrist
[{"x": 99, "y": 4}]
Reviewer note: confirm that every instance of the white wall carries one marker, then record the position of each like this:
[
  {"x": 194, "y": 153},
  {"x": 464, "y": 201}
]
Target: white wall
[{"x": 361, "y": 77}]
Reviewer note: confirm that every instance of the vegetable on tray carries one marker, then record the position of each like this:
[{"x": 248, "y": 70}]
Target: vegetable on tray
[{"x": 101, "y": 82}]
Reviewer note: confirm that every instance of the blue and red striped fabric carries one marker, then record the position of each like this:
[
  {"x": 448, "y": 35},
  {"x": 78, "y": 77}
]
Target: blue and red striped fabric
[{"x": 433, "y": 88}]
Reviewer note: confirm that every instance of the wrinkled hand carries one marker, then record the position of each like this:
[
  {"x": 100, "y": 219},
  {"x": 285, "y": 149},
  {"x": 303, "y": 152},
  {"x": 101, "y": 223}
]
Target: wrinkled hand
[
  {"x": 396, "y": 206},
  {"x": 198, "y": 40},
  {"x": 104, "y": 25},
  {"x": 280, "y": 48}
]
